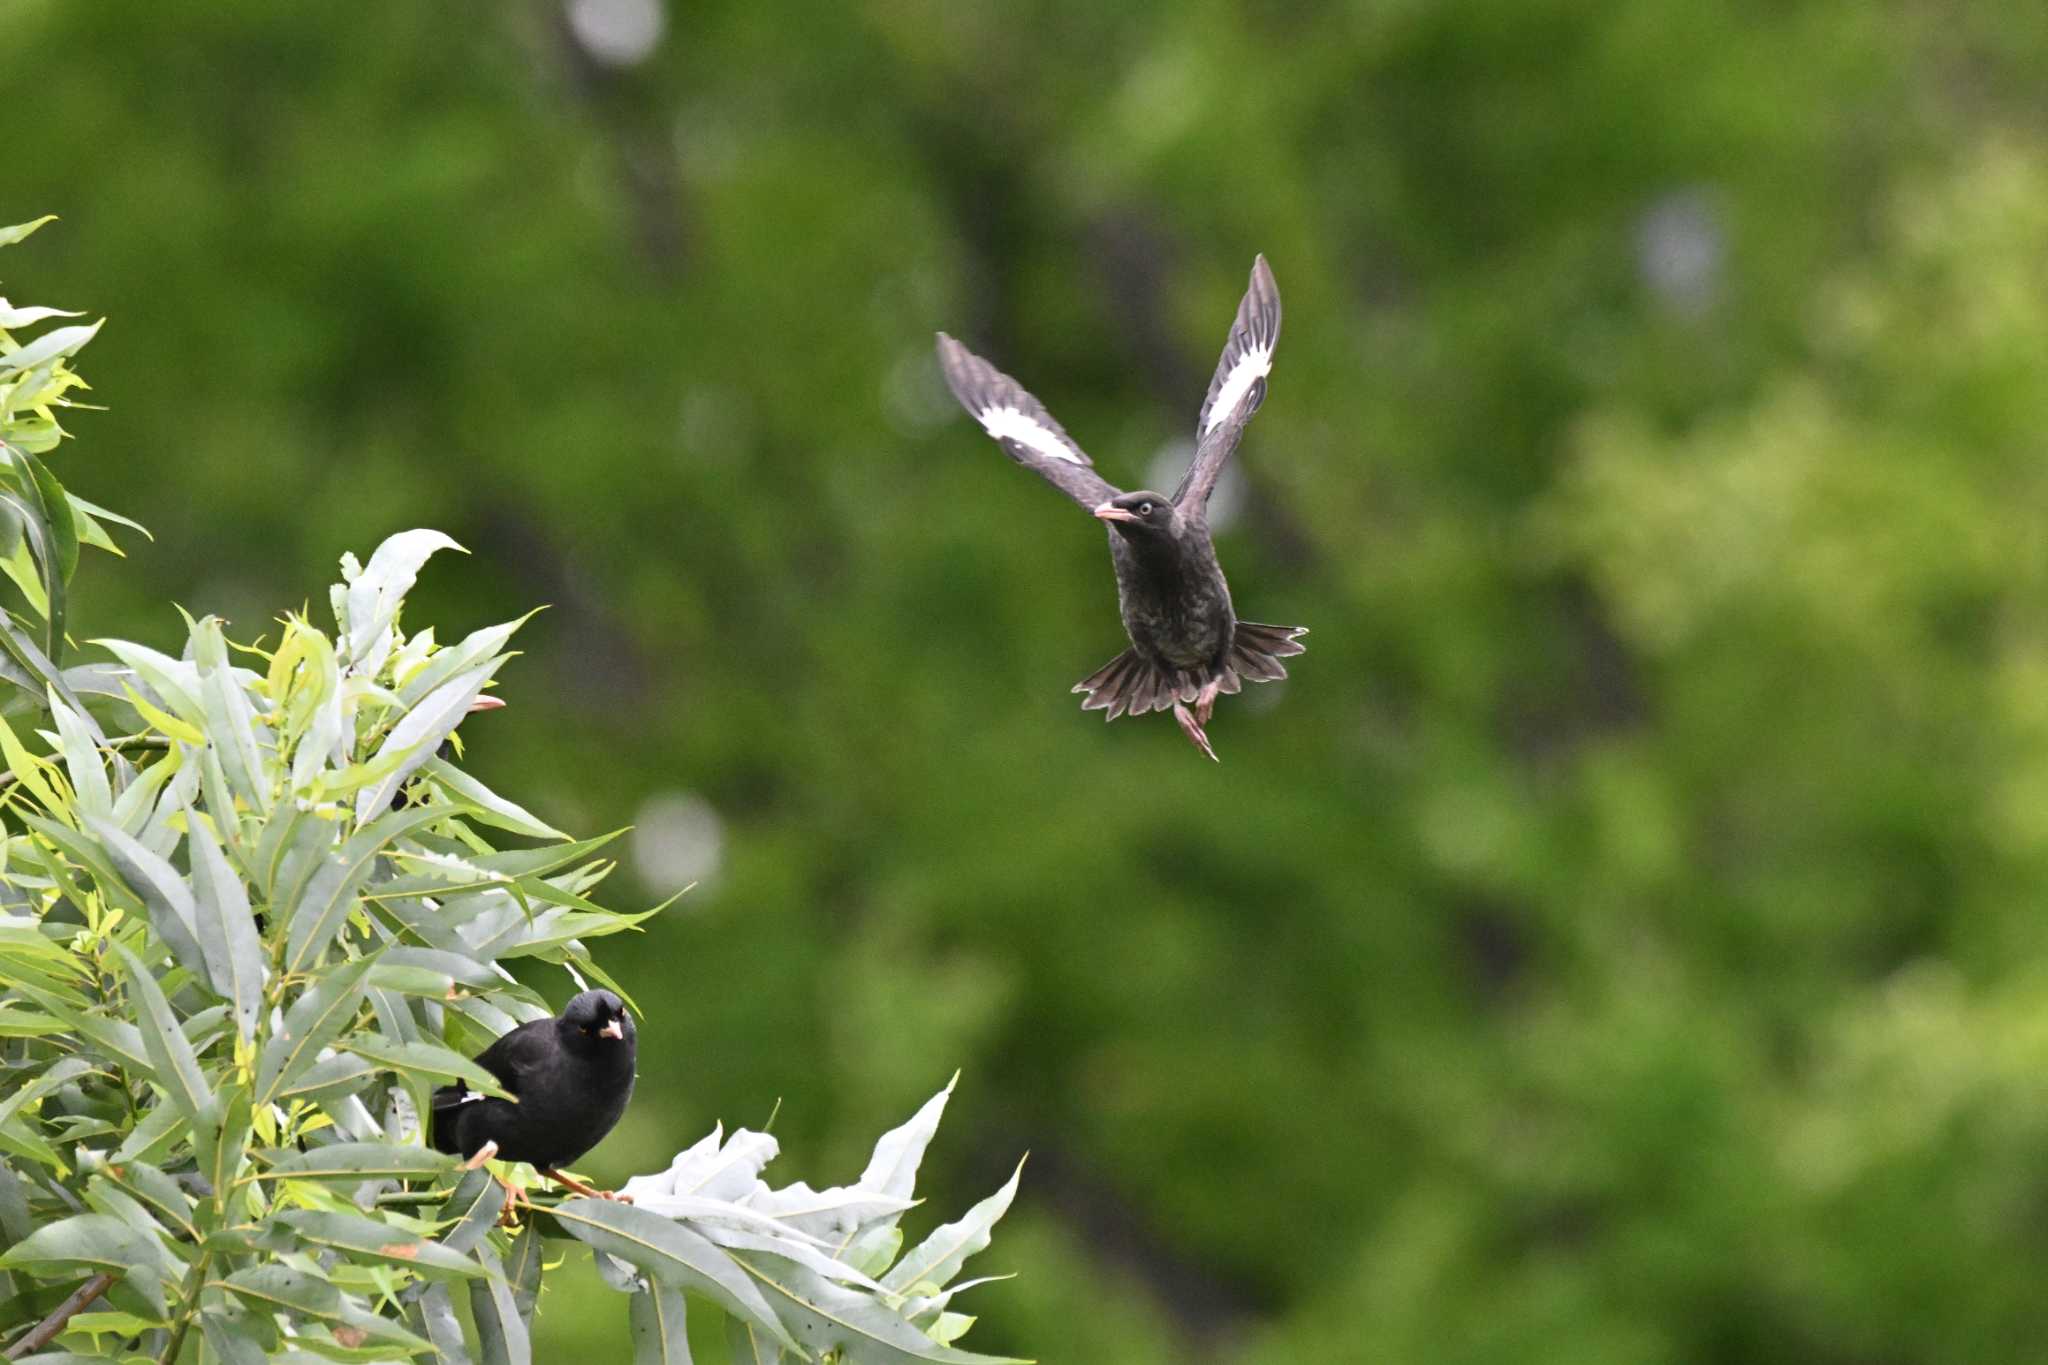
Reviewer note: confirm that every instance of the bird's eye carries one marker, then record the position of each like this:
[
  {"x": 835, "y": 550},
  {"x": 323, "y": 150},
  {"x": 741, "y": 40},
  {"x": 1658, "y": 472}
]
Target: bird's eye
[{"x": 1144, "y": 509}]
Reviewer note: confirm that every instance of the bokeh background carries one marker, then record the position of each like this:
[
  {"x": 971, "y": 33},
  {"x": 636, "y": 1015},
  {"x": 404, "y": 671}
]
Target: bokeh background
[{"x": 1623, "y": 939}]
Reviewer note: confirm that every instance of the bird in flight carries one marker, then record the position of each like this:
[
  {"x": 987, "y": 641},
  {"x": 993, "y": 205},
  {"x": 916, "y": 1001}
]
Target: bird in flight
[
  {"x": 1187, "y": 645},
  {"x": 570, "y": 1078}
]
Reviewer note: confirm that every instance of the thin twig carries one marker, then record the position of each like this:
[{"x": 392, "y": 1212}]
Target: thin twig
[
  {"x": 46, "y": 1331},
  {"x": 190, "y": 1294}
]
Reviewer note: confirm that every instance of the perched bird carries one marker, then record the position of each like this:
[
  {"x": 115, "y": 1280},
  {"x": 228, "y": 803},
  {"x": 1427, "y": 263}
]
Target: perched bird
[
  {"x": 572, "y": 1077},
  {"x": 1187, "y": 645}
]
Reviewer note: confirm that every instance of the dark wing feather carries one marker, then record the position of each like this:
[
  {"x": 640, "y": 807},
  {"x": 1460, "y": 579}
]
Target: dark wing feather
[
  {"x": 520, "y": 1053},
  {"x": 1237, "y": 389},
  {"x": 1021, "y": 425}
]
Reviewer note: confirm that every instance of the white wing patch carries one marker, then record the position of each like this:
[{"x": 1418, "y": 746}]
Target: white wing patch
[
  {"x": 1008, "y": 424},
  {"x": 470, "y": 1096},
  {"x": 1250, "y": 368}
]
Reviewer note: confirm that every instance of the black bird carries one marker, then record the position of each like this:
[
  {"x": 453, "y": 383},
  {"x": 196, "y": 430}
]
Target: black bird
[
  {"x": 572, "y": 1077},
  {"x": 1187, "y": 645}
]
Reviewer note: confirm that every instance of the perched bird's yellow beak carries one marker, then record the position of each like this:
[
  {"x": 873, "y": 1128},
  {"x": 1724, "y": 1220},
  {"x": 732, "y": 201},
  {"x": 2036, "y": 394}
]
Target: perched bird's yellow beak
[
  {"x": 614, "y": 1028},
  {"x": 1109, "y": 511}
]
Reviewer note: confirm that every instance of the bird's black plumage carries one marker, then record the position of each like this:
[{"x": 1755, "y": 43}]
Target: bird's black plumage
[
  {"x": 1187, "y": 645},
  {"x": 572, "y": 1077}
]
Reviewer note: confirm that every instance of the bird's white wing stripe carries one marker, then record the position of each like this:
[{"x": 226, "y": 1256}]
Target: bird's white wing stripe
[
  {"x": 1007, "y": 423},
  {"x": 1250, "y": 368},
  {"x": 468, "y": 1096}
]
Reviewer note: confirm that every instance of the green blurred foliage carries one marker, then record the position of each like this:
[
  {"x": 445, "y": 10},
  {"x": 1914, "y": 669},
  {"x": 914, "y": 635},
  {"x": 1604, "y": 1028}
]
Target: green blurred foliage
[{"x": 1619, "y": 941}]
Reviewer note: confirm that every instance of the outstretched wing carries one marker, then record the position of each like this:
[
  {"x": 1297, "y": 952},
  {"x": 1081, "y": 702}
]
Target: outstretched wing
[
  {"x": 1021, "y": 425},
  {"x": 1238, "y": 388}
]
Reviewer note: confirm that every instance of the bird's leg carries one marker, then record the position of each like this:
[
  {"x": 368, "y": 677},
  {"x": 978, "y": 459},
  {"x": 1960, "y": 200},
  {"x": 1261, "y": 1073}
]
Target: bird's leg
[
  {"x": 1205, "y": 701},
  {"x": 1192, "y": 728},
  {"x": 483, "y": 1154},
  {"x": 515, "y": 1200},
  {"x": 588, "y": 1191}
]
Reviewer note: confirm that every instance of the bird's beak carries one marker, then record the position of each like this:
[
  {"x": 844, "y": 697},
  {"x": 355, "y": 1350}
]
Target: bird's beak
[
  {"x": 484, "y": 704},
  {"x": 615, "y": 1028},
  {"x": 1109, "y": 511}
]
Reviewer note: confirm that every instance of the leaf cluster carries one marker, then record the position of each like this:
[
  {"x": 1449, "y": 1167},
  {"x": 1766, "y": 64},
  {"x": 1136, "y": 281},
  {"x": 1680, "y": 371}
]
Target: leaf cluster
[{"x": 251, "y": 913}]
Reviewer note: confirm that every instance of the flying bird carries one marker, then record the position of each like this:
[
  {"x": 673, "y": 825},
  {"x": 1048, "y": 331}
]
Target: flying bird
[
  {"x": 1187, "y": 645},
  {"x": 571, "y": 1077}
]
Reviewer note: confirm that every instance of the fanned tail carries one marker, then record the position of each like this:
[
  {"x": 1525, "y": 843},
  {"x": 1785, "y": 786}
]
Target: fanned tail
[
  {"x": 1256, "y": 652},
  {"x": 1129, "y": 686}
]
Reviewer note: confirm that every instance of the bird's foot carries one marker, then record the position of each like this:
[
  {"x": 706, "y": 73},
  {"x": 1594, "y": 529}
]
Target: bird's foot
[
  {"x": 570, "y": 1182},
  {"x": 516, "y": 1202},
  {"x": 483, "y": 1154},
  {"x": 1205, "y": 701},
  {"x": 1192, "y": 728}
]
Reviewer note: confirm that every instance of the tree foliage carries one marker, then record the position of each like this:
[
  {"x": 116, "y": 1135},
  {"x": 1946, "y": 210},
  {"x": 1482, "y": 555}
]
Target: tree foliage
[{"x": 252, "y": 911}]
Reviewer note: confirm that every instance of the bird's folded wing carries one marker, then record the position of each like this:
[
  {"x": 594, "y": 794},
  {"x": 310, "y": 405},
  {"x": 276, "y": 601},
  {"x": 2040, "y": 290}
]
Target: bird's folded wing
[
  {"x": 1021, "y": 425},
  {"x": 519, "y": 1054},
  {"x": 1238, "y": 388}
]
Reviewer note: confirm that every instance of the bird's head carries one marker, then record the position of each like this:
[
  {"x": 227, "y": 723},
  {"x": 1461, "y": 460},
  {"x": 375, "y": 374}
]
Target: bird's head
[
  {"x": 595, "y": 1019},
  {"x": 1141, "y": 516}
]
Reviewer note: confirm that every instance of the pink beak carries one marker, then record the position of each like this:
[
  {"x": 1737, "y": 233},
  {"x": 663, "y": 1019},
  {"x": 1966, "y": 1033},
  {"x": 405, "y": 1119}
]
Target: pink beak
[
  {"x": 484, "y": 704},
  {"x": 1111, "y": 512},
  {"x": 615, "y": 1028}
]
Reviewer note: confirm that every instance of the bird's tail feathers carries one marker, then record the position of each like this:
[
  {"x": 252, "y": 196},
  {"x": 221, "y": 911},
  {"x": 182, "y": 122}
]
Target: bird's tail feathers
[
  {"x": 1129, "y": 686},
  {"x": 444, "y": 1130},
  {"x": 1256, "y": 651}
]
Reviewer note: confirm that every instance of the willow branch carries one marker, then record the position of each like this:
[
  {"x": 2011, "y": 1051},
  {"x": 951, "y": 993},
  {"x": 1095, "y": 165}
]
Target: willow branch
[{"x": 46, "y": 1331}]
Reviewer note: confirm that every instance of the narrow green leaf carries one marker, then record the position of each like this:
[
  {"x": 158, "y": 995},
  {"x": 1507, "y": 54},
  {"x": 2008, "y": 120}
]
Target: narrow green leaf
[
  {"x": 656, "y": 1322},
  {"x": 750, "y": 1345},
  {"x": 220, "y": 1137},
  {"x": 426, "y": 1059},
  {"x": 231, "y": 722},
  {"x": 237, "y": 1338},
  {"x": 58, "y": 341},
  {"x": 366, "y": 1239},
  {"x": 937, "y": 1259},
  {"x": 831, "y": 1317},
  {"x": 342, "y": 1074},
  {"x": 488, "y": 807},
  {"x": 435, "y": 1312},
  {"x": 472, "y": 1209},
  {"x": 331, "y": 893},
  {"x": 177, "y": 1069},
  {"x": 420, "y": 731},
  {"x": 311, "y": 1024},
  {"x": 276, "y": 1285},
  {"x": 10, "y": 235},
  {"x": 523, "y": 1265},
  {"x": 365, "y": 1161},
  {"x": 226, "y": 927},
  {"x": 157, "y": 1190},
  {"x": 375, "y": 593},
  {"x": 81, "y": 760},
  {"x": 501, "y": 1332},
  {"x": 672, "y": 1255}
]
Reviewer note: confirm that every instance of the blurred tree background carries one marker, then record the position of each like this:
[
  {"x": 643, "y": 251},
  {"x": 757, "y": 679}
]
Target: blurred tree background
[{"x": 1621, "y": 942}]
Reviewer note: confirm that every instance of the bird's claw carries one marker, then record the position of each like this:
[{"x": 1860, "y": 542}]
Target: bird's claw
[
  {"x": 1205, "y": 702},
  {"x": 1192, "y": 728}
]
